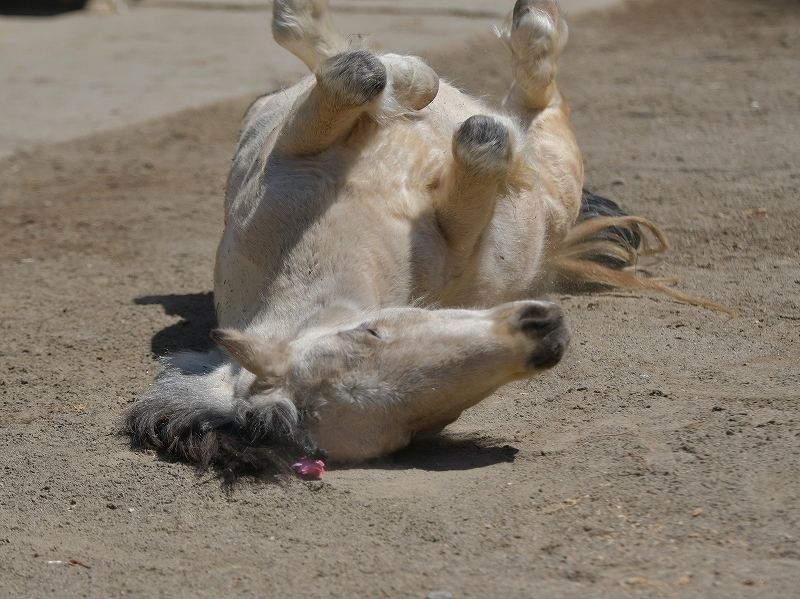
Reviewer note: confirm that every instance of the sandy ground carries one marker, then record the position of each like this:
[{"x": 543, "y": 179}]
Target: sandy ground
[
  {"x": 87, "y": 71},
  {"x": 661, "y": 458}
]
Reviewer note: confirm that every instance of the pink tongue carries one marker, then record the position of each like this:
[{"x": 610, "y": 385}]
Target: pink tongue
[{"x": 308, "y": 467}]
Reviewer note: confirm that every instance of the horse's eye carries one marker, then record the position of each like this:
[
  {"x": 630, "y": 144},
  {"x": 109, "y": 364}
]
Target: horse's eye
[{"x": 360, "y": 330}]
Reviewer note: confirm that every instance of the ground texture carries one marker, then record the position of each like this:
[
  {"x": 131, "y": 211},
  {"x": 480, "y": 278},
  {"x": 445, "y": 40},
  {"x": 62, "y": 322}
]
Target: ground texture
[{"x": 660, "y": 458}]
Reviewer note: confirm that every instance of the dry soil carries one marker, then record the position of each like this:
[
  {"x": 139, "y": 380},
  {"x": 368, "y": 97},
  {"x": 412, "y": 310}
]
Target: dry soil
[{"x": 660, "y": 458}]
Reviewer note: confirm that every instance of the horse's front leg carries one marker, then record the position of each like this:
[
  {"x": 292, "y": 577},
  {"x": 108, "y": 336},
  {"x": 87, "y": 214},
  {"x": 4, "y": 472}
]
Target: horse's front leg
[
  {"x": 348, "y": 86},
  {"x": 483, "y": 155}
]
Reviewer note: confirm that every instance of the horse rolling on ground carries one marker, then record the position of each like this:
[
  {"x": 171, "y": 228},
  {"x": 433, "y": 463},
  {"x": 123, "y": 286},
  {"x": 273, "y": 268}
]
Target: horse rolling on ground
[{"x": 383, "y": 232}]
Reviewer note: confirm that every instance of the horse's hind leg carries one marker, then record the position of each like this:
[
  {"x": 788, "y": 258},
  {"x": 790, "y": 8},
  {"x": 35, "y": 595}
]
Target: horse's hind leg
[
  {"x": 535, "y": 35},
  {"x": 304, "y": 28}
]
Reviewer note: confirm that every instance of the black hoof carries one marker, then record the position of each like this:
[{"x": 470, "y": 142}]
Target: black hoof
[
  {"x": 352, "y": 79},
  {"x": 482, "y": 145}
]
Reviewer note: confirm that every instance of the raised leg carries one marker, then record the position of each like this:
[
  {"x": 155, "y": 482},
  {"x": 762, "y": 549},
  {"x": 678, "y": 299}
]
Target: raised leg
[
  {"x": 535, "y": 35},
  {"x": 482, "y": 156},
  {"x": 304, "y": 28},
  {"x": 347, "y": 86}
]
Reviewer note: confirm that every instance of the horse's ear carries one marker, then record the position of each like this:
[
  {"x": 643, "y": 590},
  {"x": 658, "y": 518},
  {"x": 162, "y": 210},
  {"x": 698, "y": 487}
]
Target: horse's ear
[{"x": 263, "y": 358}]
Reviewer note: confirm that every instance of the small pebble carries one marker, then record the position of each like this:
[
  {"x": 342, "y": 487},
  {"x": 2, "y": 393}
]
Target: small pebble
[{"x": 439, "y": 595}]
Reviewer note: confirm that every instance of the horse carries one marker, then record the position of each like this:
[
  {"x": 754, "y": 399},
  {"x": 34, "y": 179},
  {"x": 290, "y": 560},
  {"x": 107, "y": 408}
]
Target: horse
[{"x": 388, "y": 241}]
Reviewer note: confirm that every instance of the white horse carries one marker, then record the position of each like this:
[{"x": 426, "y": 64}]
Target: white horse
[{"x": 383, "y": 232}]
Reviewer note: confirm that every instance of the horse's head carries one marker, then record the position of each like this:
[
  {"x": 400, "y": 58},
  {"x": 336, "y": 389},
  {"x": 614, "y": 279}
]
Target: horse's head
[{"x": 369, "y": 382}]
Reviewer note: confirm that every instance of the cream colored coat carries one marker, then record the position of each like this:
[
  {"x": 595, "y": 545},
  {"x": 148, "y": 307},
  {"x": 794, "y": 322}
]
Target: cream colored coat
[{"x": 383, "y": 233}]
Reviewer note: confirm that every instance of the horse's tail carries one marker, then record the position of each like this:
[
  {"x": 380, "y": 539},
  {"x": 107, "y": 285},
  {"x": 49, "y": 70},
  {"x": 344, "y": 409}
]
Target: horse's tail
[{"x": 604, "y": 248}]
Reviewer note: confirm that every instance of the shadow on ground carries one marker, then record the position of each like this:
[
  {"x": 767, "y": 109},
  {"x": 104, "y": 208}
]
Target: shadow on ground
[
  {"x": 442, "y": 452},
  {"x": 193, "y": 332},
  {"x": 39, "y": 8}
]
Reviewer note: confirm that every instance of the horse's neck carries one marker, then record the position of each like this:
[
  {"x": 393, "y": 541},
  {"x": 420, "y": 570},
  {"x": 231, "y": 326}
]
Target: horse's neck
[{"x": 287, "y": 319}]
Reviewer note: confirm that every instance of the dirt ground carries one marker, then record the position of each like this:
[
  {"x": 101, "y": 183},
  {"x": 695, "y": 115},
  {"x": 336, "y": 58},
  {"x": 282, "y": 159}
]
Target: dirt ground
[{"x": 660, "y": 458}]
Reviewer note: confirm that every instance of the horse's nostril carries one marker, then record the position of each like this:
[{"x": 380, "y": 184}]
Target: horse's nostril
[
  {"x": 550, "y": 349},
  {"x": 544, "y": 324},
  {"x": 537, "y": 310},
  {"x": 539, "y": 319},
  {"x": 537, "y": 327}
]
